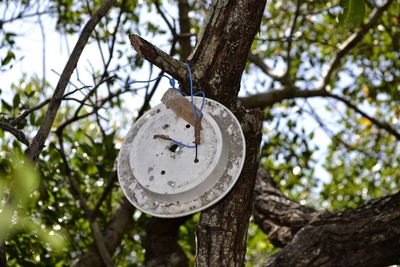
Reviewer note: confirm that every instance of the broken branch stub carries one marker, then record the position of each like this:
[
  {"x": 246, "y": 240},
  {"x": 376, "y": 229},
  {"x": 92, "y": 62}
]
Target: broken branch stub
[{"x": 183, "y": 108}]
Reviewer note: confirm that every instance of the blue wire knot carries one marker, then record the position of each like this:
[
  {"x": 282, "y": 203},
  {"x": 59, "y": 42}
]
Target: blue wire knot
[{"x": 196, "y": 116}]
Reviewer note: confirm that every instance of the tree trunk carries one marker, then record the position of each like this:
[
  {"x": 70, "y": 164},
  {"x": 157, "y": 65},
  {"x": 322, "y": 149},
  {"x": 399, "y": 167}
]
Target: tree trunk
[
  {"x": 217, "y": 62},
  {"x": 222, "y": 230}
]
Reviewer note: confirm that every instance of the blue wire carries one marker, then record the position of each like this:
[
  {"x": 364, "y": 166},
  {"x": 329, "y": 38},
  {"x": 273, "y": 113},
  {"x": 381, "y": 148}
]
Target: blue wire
[
  {"x": 202, "y": 101},
  {"x": 149, "y": 81},
  {"x": 192, "y": 94},
  {"x": 171, "y": 81},
  {"x": 182, "y": 144}
]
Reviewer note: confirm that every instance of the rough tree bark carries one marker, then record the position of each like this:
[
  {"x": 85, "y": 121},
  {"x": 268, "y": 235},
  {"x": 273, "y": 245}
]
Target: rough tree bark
[
  {"x": 217, "y": 62},
  {"x": 366, "y": 236},
  {"x": 277, "y": 215}
]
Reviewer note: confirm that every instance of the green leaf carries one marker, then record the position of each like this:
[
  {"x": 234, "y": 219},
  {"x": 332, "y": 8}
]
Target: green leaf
[
  {"x": 16, "y": 100},
  {"x": 6, "y": 105},
  {"x": 353, "y": 13},
  {"x": 10, "y": 55},
  {"x": 32, "y": 118}
]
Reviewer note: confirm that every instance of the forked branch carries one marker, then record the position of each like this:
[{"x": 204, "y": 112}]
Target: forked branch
[
  {"x": 353, "y": 40},
  {"x": 277, "y": 215},
  {"x": 38, "y": 141},
  {"x": 366, "y": 236}
]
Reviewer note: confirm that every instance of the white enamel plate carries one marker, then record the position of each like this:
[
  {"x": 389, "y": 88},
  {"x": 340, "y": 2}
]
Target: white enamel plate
[{"x": 163, "y": 179}]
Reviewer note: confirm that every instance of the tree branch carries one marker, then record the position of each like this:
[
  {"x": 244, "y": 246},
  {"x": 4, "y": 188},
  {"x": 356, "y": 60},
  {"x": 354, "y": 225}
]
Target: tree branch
[
  {"x": 158, "y": 57},
  {"x": 184, "y": 26},
  {"x": 38, "y": 141},
  {"x": 119, "y": 224},
  {"x": 268, "y": 99},
  {"x": 113, "y": 40},
  {"x": 26, "y": 113},
  {"x": 256, "y": 60},
  {"x": 162, "y": 14},
  {"x": 20, "y": 135},
  {"x": 277, "y": 215},
  {"x": 108, "y": 188},
  {"x": 98, "y": 237},
  {"x": 334, "y": 138},
  {"x": 353, "y": 40},
  {"x": 367, "y": 236},
  {"x": 290, "y": 41},
  {"x": 382, "y": 125}
]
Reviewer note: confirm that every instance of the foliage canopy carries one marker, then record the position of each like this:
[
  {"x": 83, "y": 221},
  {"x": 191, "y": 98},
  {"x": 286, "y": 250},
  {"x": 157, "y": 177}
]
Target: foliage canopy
[{"x": 335, "y": 151}]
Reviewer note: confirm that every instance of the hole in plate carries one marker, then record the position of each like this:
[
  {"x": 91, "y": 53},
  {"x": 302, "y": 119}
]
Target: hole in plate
[
  {"x": 174, "y": 148},
  {"x": 187, "y": 125},
  {"x": 196, "y": 160},
  {"x": 162, "y": 172}
]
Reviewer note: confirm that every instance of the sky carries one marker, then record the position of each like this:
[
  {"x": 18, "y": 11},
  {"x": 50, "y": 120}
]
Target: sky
[{"x": 57, "y": 47}]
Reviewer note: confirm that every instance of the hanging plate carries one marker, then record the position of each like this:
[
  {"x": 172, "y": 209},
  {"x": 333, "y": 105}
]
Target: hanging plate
[{"x": 164, "y": 179}]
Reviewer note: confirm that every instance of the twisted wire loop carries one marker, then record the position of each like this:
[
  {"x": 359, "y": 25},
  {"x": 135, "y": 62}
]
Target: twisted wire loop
[{"x": 196, "y": 115}]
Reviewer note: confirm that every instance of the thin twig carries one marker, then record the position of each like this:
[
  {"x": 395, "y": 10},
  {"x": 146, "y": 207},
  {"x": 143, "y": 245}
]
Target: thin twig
[
  {"x": 26, "y": 113},
  {"x": 38, "y": 141},
  {"x": 382, "y": 125},
  {"x": 331, "y": 134},
  {"x": 290, "y": 41},
  {"x": 24, "y": 16},
  {"x": 43, "y": 34},
  {"x": 77, "y": 117},
  {"x": 272, "y": 97},
  {"x": 98, "y": 237},
  {"x": 266, "y": 69},
  {"x": 98, "y": 117},
  {"x": 353, "y": 40},
  {"x": 162, "y": 14},
  {"x": 113, "y": 40},
  {"x": 105, "y": 193}
]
